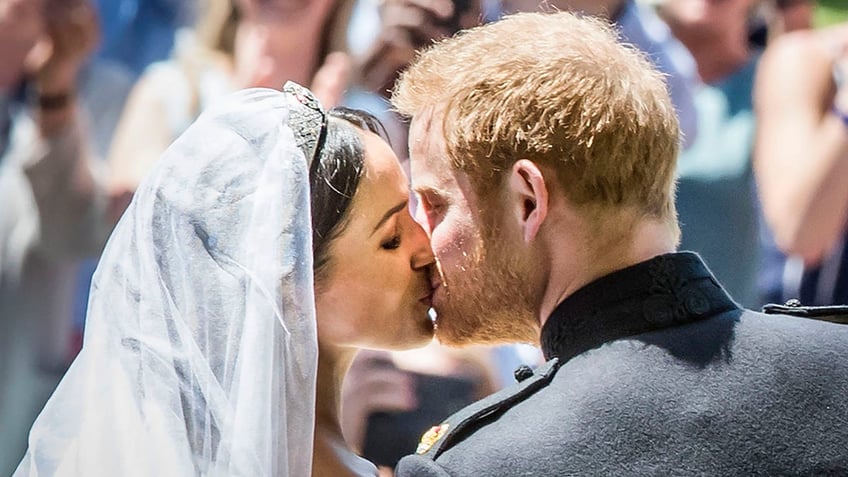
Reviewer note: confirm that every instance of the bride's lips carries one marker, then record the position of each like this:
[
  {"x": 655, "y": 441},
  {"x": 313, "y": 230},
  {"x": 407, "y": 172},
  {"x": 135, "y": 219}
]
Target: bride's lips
[
  {"x": 427, "y": 299},
  {"x": 434, "y": 281}
]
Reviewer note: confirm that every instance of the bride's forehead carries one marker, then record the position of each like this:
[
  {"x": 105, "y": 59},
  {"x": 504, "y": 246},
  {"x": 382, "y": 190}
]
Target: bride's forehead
[
  {"x": 383, "y": 181},
  {"x": 381, "y": 163}
]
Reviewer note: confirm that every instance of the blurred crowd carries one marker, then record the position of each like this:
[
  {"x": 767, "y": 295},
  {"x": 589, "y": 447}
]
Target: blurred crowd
[{"x": 93, "y": 91}]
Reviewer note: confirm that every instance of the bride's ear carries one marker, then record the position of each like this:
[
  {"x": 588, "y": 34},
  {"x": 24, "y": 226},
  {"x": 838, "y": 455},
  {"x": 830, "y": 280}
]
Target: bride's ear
[{"x": 528, "y": 195}]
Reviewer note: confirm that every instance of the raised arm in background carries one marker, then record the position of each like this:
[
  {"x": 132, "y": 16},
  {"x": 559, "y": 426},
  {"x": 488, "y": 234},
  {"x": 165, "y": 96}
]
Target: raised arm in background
[{"x": 801, "y": 158}]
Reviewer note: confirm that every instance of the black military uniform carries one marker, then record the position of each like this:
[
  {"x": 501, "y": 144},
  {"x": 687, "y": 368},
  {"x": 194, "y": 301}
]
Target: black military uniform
[{"x": 654, "y": 370}]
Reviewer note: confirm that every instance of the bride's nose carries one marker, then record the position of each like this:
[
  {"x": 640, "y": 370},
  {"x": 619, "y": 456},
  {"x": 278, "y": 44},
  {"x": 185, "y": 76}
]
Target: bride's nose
[{"x": 422, "y": 253}]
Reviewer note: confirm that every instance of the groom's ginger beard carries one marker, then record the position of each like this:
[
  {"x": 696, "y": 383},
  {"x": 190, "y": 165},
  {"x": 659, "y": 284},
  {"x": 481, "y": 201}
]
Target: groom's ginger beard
[{"x": 487, "y": 297}]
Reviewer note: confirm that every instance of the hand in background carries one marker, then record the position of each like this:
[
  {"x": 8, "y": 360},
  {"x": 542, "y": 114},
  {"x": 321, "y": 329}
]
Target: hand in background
[
  {"x": 332, "y": 78},
  {"x": 406, "y": 26},
  {"x": 71, "y": 36},
  {"x": 373, "y": 384},
  {"x": 801, "y": 143},
  {"x": 21, "y": 25}
]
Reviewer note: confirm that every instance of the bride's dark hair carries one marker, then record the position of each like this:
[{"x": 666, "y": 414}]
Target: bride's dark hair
[{"x": 334, "y": 178}]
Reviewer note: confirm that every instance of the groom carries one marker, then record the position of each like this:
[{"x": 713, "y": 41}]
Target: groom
[{"x": 543, "y": 153}]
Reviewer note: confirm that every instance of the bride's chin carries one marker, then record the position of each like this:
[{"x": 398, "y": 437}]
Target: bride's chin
[
  {"x": 429, "y": 327},
  {"x": 418, "y": 337}
]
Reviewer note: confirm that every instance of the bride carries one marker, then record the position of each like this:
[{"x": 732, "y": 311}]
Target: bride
[{"x": 269, "y": 244}]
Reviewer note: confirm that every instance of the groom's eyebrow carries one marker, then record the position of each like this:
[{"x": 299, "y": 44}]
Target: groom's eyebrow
[
  {"x": 429, "y": 190},
  {"x": 389, "y": 214}
]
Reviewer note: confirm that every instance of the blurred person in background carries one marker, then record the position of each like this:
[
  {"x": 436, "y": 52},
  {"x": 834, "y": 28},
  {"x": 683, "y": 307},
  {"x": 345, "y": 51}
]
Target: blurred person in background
[
  {"x": 791, "y": 15},
  {"x": 235, "y": 44},
  {"x": 390, "y": 399},
  {"x": 134, "y": 33},
  {"x": 716, "y": 197},
  {"x": 777, "y": 17},
  {"x": 801, "y": 165},
  {"x": 139, "y": 32},
  {"x": 402, "y": 28},
  {"x": 57, "y": 111},
  {"x": 408, "y": 25},
  {"x": 405, "y": 27}
]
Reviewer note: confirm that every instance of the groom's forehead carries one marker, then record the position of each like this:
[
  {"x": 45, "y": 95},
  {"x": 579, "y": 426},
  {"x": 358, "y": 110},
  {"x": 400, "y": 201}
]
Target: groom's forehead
[
  {"x": 428, "y": 155},
  {"x": 424, "y": 132},
  {"x": 427, "y": 130}
]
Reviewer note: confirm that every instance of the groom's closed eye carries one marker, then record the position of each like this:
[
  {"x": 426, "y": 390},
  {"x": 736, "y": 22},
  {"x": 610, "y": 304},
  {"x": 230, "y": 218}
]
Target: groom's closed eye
[{"x": 431, "y": 208}]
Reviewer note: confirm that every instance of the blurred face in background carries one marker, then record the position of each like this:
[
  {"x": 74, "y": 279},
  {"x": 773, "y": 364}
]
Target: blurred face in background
[
  {"x": 706, "y": 18},
  {"x": 280, "y": 40},
  {"x": 791, "y": 15}
]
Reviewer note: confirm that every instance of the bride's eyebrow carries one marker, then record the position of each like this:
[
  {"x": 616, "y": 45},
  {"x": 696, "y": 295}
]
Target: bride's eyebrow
[{"x": 389, "y": 214}]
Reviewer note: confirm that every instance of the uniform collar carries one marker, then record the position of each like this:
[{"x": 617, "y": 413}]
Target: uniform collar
[{"x": 665, "y": 291}]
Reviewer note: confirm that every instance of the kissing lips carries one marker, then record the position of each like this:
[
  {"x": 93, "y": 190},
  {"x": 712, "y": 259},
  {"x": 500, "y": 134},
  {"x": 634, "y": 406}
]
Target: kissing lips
[{"x": 428, "y": 297}]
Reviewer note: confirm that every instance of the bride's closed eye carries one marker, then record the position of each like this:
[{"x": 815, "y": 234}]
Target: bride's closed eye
[
  {"x": 391, "y": 218},
  {"x": 393, "y": 243}
]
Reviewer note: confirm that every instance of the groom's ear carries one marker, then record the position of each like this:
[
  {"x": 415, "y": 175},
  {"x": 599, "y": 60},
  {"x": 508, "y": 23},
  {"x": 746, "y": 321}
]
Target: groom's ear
[{"x": 528, "y": 197}]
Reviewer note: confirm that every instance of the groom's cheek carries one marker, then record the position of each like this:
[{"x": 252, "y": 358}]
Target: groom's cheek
[{"x": 455, "y": 244}]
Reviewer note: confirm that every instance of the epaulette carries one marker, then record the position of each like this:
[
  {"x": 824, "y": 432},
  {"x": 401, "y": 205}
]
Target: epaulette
[
  {"x": 834, "y": 314},
  {"x": 440, "y": 438}
]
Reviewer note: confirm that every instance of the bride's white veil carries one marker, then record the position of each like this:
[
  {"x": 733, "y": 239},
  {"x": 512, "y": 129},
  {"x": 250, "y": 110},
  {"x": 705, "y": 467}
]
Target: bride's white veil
[{"x": 200, "y": 348}]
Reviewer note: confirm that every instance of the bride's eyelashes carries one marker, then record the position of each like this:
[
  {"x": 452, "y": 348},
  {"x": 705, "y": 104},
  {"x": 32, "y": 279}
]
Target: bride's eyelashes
[{"x": 392, "y": 243}]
